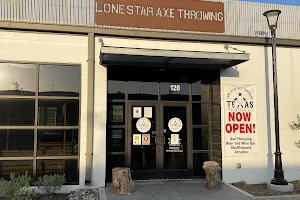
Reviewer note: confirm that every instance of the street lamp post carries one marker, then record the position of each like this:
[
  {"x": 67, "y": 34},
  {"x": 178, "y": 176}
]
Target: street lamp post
[{"x": 272, "y": 18}]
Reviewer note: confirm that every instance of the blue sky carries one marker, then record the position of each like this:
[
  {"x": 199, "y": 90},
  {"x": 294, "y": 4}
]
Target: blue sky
[{"x": 285, "y": 2}]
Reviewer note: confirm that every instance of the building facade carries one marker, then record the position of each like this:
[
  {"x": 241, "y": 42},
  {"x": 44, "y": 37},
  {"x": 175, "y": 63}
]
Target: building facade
[{"x": 158, "y": 87}]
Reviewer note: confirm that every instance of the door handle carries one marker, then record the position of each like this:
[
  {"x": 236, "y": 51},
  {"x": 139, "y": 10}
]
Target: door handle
[{"x": 164, "y": 140}]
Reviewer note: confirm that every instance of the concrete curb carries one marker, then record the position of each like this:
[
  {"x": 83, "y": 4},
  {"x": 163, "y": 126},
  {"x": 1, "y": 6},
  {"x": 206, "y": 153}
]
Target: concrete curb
[
  {"x": 261, "y": 197},
  {"x": 102, "y": 194},
  {"x": 238, "y": 189},
  {"x": 279, "y": 196}
]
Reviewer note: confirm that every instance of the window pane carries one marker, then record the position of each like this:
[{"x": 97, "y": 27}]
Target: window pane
[
  {"x": 54, "y": 112},
  {"x": 57, "y": 142},
  {"x": 198, "y": 159},
  {"x": 67, "y": 167},
  {"x": 200, "y": 138},
  {"x": 18, "y": 167},
  {"x": 55, "y": 80},
  {"x": 17, "y": 112},
  {"x": 142, "y": 90},
  {"x": 115, "y": 140},
  {"x": 174, "y": 91},
  {"x": 16, "y": 143},
  {"x": 114, "y": 161},
  {"x": 200, "y": 92},
  {"x": 17, "y": 79},
  {"x": 200, "y": 114},
  {"x": 116, "y": 113},
  {"x": 115, "y": 89}
]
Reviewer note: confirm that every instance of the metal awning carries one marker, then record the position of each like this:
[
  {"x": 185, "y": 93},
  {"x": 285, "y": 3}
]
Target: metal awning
[{"x": 172, "y": 58}]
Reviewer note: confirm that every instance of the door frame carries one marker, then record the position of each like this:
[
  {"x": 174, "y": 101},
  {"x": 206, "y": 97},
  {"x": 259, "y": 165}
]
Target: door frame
[
  {"x": 188, "y": 172},
  {"x": 128, "y": 138},
  {"x": 160, "y": 172}
]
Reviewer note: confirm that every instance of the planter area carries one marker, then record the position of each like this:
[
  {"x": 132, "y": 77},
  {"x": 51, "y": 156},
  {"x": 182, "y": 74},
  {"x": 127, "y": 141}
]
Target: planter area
[
  {"x": 75, "y": 195},
  {"x": 56, "y": 197},
  {"x": 262, "y": 190}
]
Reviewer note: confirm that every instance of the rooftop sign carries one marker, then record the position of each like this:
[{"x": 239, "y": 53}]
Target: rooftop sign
[{"x": 192, "y": 15}]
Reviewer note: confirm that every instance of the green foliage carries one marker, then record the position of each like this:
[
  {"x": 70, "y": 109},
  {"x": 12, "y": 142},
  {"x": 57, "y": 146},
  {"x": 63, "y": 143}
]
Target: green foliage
[
  {"x": 50, "y": 184},
  {"x": 296, "y": 125},
  {"x": 17, "y": 188}
]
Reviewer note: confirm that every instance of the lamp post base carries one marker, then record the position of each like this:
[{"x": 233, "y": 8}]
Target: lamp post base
[
  {"x": 279, "y": 181},
  {"x": 281, "y": 188}
]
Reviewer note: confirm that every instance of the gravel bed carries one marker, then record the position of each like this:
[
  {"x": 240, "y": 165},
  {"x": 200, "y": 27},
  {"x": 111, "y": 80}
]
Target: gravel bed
[{"x": 262, "y": 190}]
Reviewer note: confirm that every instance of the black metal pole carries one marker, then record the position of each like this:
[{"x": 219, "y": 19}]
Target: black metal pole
[{"x": 278, "y": 172}]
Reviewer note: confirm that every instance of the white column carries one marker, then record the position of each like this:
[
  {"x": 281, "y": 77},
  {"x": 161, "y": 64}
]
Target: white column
[{"x": 99, "y": 136}]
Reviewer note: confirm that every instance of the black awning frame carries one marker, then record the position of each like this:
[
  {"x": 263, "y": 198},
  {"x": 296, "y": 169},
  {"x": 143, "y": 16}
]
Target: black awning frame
[{"x": 164, "y": 58}]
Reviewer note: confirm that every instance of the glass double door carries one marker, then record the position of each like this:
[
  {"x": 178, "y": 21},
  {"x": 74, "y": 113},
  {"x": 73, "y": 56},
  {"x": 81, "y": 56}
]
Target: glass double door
[{"x": 158, "y": 144}]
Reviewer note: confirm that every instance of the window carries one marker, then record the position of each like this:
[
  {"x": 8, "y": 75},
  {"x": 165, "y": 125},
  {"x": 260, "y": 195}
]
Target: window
[
  {"x": 17, "y": 79},
  {"x": 58, "y": 112},
  {"x": 18, "y": 167},
  {"x": 174, "y": 91},
  {"x": 142, "y": 90},
  {"x": 55, "y": 123},
  {"x": 57, "y": 142},
  {"x": 68, "y": 167},
  {"x": 198, "y": 159},
  {"x": 16, "y": 112},
  {"x": 115, "y": 89},
  {"x": 53, "y": 81},
  {"x": 116, "y": 113},
  {"x": 200, "y": 92},
  {"x": 16, "y": 143},
  {"x": 200, "y": 113}
]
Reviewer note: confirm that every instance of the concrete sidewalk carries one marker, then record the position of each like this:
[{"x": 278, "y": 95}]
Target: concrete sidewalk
[{"x": 181, "y": 190}]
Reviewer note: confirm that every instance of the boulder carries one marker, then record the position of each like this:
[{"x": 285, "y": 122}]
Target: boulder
[
  {"x": 122, "y": 181},
  {"x": 213, "y": 177}
]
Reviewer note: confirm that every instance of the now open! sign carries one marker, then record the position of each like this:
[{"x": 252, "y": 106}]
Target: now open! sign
[{"x": 240, "y": 120}]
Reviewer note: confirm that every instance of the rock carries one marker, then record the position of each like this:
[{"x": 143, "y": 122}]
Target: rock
[
  {"x": 122, "y": 181},
  {"x": 84, "y": 194},
  {"x": 212, "y": 171}
]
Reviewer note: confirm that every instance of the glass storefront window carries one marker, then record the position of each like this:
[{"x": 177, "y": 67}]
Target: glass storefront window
[
  {"x": 67, "y": 167},
  {"x": 200, "y": 138},
  {"x": 58, "y": 112},
  {"x": 18, "y": 167},
  {"x": 115, "y": 138},
  {"x": 115, "y": 113},
  {"x": 200, "y": 113},
  {"x": 57, "y": 143},
  {"x": 115, "y": 89},
  {"x": 16, "y": 143},
  {"x": 17, "y": 112},
  {"x": 142, "y": 90},
  {"x": 62, "y": 83},
  {"x": 17, "y": 79},
  {"x": 53, "y": 80},
  {"x": 198, "y": 159},
  {"x": 174, "y": 91},
  {"x": 200, "y": 92},
  {"x": 114, "y": 161}
]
